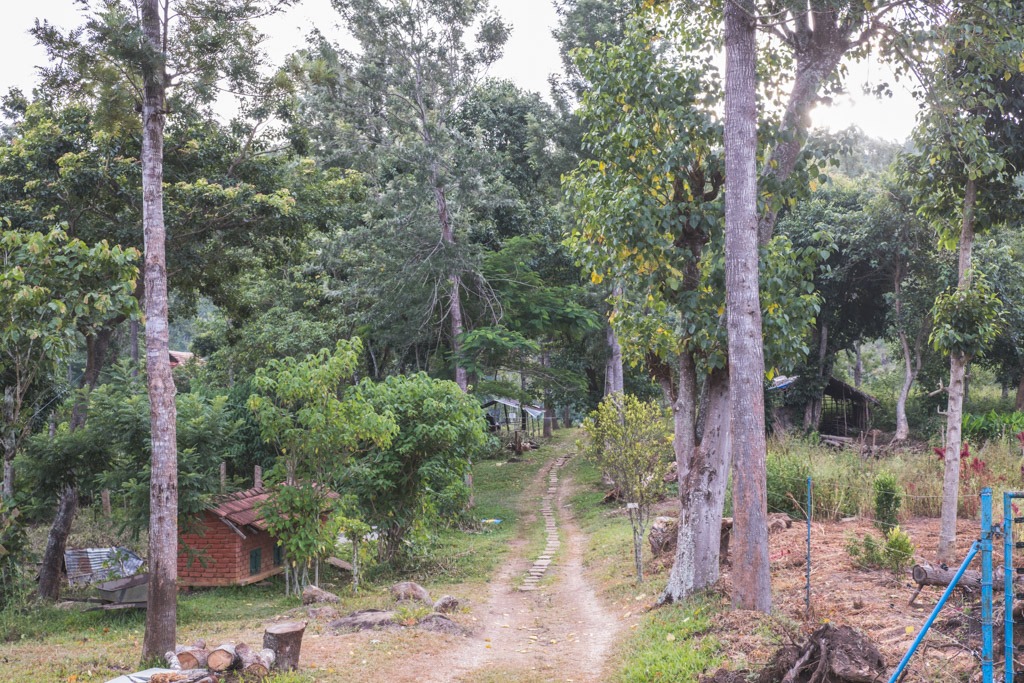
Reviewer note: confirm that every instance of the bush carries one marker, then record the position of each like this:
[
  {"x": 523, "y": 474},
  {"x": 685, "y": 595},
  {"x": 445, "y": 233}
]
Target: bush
[
  {"x": 787, "y": 482},
  {"x": 992, "y": 425},
  {"x": 13, "y": 544},
  {"x": 419, "y": 476},
  {"x": 895, "y": 552},
  {"x": 887, "y": 501}
]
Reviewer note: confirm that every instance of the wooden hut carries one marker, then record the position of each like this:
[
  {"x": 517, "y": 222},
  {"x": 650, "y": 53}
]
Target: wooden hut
[
  {"x": 845, "y": 410},
  {"x": 228, "y": 544}
]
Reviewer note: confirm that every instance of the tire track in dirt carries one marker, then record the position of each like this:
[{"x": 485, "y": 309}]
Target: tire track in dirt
[{"x": 551, "y": 630}]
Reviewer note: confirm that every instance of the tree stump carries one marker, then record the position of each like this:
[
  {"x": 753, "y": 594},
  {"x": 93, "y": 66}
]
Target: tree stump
[
  {"x": 223, "y": 658},
  {"x": 286, "y": 642}
]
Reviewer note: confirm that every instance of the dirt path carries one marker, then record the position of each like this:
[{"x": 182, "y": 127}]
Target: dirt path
[{"x": 541, "y": 622}]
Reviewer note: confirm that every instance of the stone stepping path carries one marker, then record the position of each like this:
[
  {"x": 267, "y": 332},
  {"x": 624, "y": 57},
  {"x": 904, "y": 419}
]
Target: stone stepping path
[{"x": 540, "y": 566}]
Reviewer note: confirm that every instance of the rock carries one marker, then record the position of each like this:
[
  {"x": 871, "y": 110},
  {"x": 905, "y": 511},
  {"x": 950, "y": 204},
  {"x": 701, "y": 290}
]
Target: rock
[
  {"x": 364, "y": 620},
  {"x": 322, "y": 613},
  {"x": 663, "y": 535},
  {"x": 313, "y": 595},
  {"x": 408, "y": 590},
  {"x": 340, "y": 564},
  {"x": 778, "y": 521},
  {"x": 672, "y": 474},
  {"x": 439, "y": 623},
  {"x": 446, "y": 604}
]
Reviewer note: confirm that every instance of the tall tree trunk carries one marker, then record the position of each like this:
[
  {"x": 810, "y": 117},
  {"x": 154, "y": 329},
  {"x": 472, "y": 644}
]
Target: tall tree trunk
[
  {"x": 684, "y": 442},
  {"x": 162, "y": 607},
  {"x": 751, "y": 578},
  {"x": 56, "y": 542},
  {"x": 1019, "y": 403},
  {"x": 96, "y": 347},
  {"x": 8, "y": 489},
  {"x": 955, "y": 409},
  {"x": 614, "y": 381},
  {"x": 702, "y": 488},
  {"x": 858, "y": 366},
  {"x": 911, "y": 359},
  {"x": 10, "y": 435},
  {"x": 911, "y": 367}
]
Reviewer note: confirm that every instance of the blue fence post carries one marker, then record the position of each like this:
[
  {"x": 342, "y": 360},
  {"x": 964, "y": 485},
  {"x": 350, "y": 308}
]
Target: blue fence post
[
  {"x": 807, "y": 597},
  {"x": 1008, "y": 587},
  {"x": 986, "y": 585}
]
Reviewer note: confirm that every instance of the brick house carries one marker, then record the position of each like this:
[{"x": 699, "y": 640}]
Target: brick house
[{"x": 232, "y": 541}]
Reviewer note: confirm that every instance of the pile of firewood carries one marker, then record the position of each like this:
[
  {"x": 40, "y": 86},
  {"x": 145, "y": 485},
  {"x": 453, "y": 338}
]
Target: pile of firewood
[{"x": 198, "y": 664}]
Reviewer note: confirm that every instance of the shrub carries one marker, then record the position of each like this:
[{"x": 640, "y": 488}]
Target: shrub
[
  {"x": 887, "y": 501},
  {"x": 992, "y": 425},
  {"x": 895, "y": 552},
  {"x": 787, "y": 482},
  {"x": 419, "y": 475},
  {"x": 13, "y": 544},
  {"x": 627, "y": 440}
]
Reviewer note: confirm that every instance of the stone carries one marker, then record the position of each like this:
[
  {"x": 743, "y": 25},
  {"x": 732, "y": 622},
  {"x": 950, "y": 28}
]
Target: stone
[
  {"x": 322, "y": 613},
  {"x": 364, "y": 620},
  {"x": 312, "y": 595},
  {"x": 410, "y": 590},
  {"x": 439, "y": 623},
  {"x": 446, "y": 604}
]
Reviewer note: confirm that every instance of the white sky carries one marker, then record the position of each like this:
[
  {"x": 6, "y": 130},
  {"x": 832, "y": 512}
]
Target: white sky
[{"x": 531, "y": 55}]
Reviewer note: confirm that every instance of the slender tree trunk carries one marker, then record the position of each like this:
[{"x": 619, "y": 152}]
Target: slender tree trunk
[
  {"x": 133, "y": 345},
  {"x": 751, "y": 578},
  {"x": 1019, "y": 403},
  {"x": 56, "y": 542},
  {"x": 161, "y": 612},
  {"x": 96, "y": 346},
  {"x": 858, "y": 366},
  {"x": 8, "y": 489},
  {"x": 954, "y": 411},
  {"x": 911, "y": 359},
  {"x": 684, "y": 442},
  {"x": 613, "y": 368},
  {"x": 709, "y": 485}
]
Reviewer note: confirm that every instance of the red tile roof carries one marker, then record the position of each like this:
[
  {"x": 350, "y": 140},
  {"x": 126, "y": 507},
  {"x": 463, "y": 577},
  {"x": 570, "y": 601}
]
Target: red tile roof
[{"x": 241, "y": 509}]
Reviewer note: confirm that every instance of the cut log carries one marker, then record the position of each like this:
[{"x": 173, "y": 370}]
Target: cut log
[
  {"x": 286, "y": 642},
  {"x": 254, "y": 664},
  {"x": 192, "y": 656},
  {"x": 929, "y": 575},
  {"x": 185, "y": 676},
  {"x": 223, "y": 658}
]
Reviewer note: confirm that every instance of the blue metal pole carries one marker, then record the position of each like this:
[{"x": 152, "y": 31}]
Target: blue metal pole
[
  {"x": 807, "y": 598},
  {"x": 1008, "y": 591},
  {"x": 935, "y": 612},
  {"x": 986, "y": 585}
]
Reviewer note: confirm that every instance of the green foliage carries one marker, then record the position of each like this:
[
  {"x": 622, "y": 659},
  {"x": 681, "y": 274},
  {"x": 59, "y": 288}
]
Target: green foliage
[
  {"x": 418, "y": 474},
  {"x": 992, "y": 425},
  {"x": 895, "y": 552},
  {"x": 966, "y": 320},
  {"x": 887, "y": 501},
  {"x": 787, "y": 483},
  {"x": 627, "y": 438},
  {"x": 12, "y": 552},
  {"x": 316, "y": 423}
]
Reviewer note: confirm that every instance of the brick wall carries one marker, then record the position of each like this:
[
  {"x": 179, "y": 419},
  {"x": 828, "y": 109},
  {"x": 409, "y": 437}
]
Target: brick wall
[
  {"x": 218, "y": 546},
  {"x": 225, "y": 553}
]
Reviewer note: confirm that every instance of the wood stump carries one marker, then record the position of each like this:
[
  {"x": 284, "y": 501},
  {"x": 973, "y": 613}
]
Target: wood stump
[{"x": 286, "y": 641}]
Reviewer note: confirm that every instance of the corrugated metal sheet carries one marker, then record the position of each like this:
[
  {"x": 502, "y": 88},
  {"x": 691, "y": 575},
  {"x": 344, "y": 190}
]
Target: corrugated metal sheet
[{"x": 89, "y": 565}]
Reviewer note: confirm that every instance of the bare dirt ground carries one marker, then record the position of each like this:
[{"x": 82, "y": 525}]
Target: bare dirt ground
[
  {"x": 874, "y": 601},
  {"x": 561, "y": 631}
]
